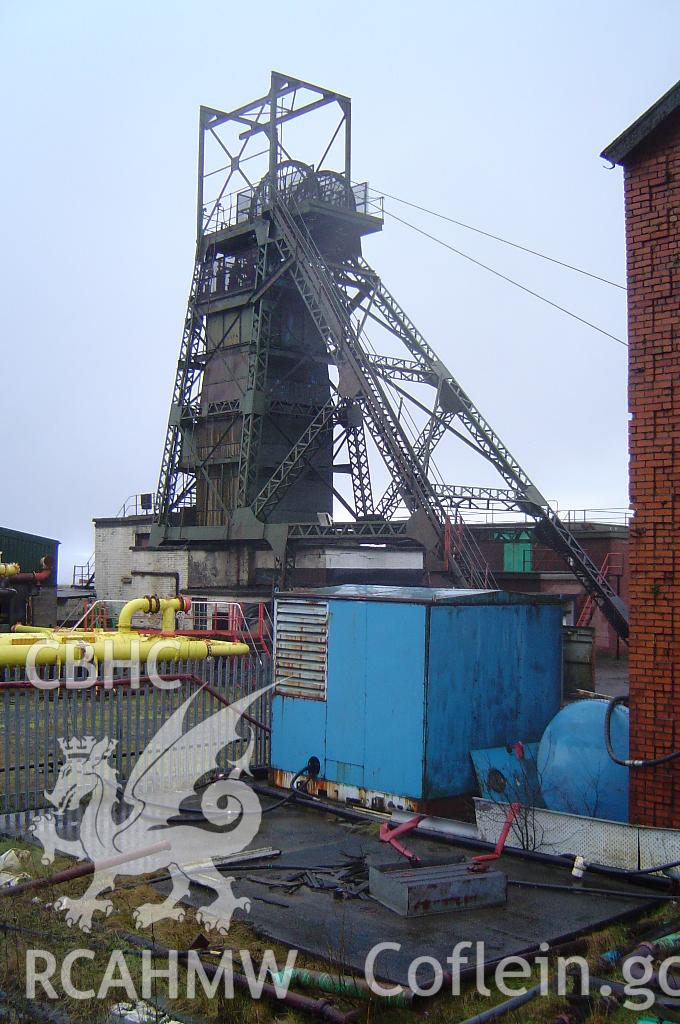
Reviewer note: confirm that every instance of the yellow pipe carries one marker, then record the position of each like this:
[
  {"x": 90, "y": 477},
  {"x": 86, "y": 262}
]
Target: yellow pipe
[
  {"x": 169, "y": 607},
  {"x": 19, "y": 627},
  {"x": 56, "y": 650},
  {"x": 144, "y": 605},
  {"x": 45, "y": 646},
  {"x": 9, "y": 568}
]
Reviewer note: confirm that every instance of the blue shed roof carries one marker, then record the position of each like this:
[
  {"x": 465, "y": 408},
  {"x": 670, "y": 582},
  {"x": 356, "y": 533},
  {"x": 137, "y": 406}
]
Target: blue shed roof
[{"x": 420, "y": 595}]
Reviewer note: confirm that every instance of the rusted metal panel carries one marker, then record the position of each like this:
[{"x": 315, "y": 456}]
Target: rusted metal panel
[
  {"x": 359, "y": 796},
  {"x": 578, "y": 653},
  {"x": 416, "y": 892},
  {"x": 301, "y": 648}
]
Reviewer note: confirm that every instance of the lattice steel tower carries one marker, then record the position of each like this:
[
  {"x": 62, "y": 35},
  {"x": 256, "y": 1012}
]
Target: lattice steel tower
[{"x": 282, "y": 408}]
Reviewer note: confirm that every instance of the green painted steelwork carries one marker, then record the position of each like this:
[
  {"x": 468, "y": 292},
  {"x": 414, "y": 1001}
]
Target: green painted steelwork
[{"x": 27, "y": 549}]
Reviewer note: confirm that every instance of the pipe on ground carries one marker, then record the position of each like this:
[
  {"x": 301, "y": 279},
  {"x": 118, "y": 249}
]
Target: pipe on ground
[
  {"x": 343, "y": 985},
  {"x": 81, "y": 870},
  {"x": 499, "y": 1011},
  {"x": 634, "y": 964},
  {"x": 317, "y": 1007}
]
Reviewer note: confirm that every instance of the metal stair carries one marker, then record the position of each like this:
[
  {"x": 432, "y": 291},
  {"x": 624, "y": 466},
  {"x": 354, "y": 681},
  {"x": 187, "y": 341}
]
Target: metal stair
[
  {"x": 407, "y": 461},
  {"x": 611, "y": 564},
  {"x": 524, "y": 497},
  {"x": 187, "y": 379},
  {"x": 83, "y": 575},
  {"x": 551, "y": 530},
  {"x": 334, "y": 322}
]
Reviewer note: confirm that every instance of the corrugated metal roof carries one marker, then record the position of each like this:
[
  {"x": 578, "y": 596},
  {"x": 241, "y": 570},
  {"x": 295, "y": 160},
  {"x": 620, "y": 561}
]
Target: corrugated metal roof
[
  {"x": 27, "y": 549},
  {"x": 21, "y": 536},
  {"x": 421, "y": 595},
  {"x": 618, "y": 150}
]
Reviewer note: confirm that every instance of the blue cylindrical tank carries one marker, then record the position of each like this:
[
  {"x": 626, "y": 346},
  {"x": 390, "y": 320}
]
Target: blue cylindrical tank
[{"x": 576, "y": 774}]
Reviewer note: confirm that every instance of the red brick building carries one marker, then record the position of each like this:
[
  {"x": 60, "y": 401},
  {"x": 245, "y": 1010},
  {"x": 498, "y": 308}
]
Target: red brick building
[
  {"x": 649, "y": 152},
  {"x": 521, "y": 562}
]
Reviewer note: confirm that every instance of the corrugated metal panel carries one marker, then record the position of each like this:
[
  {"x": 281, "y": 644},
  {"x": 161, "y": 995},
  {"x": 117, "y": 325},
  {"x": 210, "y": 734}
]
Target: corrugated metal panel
[
  {"x": 27, "y": 549},
  {"x": 301, "y": 648}
]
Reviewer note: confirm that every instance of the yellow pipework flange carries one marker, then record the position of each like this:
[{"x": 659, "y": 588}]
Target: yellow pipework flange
[
  {"x": 144, "y": 605},
  {"x": 169, "y": 607},
  {"x": 46, "y": 646}
]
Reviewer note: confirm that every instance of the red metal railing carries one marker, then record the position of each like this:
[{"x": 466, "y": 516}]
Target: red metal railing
[
  {"x": 231, "y": 622},
  {"x": 612, "y": 565}
]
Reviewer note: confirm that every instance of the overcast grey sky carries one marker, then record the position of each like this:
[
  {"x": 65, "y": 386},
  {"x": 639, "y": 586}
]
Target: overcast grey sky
[{"x": 493, "y": 113}]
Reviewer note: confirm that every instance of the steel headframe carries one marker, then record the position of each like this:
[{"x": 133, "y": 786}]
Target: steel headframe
[
  {"x": 288, "y": 99},
  {"x": 342, "y": 298},
  {"x": 236, "y": 137}
]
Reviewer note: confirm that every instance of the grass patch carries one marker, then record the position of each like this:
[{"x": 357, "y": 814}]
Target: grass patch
[{"x": 29, "y": 923}]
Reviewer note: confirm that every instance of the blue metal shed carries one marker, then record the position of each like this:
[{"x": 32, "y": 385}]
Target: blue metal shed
[{"x": 392, "y": 687}]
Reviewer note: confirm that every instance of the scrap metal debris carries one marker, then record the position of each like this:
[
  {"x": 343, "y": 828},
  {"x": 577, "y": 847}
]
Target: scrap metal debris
[{"x": 346, "y": 882}]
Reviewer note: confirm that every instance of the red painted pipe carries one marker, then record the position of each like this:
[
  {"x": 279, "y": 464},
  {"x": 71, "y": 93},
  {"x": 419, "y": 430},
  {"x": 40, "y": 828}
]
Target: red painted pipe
[
  {"x": 33, "y": 577},
  {"x": 40, "y": 577},
  {"x": 59, "y": 877},
  {"x": 391, "y": 836},
  {"x": 513, "y": 811}
]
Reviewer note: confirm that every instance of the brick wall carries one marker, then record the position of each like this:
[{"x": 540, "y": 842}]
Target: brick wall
[
  {"x": 652, "y": 193},
  {"x": 550, "y": 574}
]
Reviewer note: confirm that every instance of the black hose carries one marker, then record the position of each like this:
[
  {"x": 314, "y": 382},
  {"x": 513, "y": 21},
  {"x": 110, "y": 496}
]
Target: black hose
[
  {"x": 293, "y": 791},
  {"x": 587, "y": 891},
  {"x": 192, "y": 814},
  {"x": 657, "y": 867},
  {"x": 653, "y": 762}
]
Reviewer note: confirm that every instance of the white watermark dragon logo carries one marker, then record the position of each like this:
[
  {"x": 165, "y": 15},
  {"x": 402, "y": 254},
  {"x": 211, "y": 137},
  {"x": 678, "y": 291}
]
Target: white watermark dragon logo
[{"x": 135, "y": 834}]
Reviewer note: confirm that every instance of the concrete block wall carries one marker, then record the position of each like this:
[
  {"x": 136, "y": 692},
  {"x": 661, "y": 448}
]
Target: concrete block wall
[{"x": 652, "y": 195}]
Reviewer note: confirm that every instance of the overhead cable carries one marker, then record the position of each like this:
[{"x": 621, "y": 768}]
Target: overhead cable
[
  {"x": 505, "y": 241},
  {"x": 510, "y": 280}
]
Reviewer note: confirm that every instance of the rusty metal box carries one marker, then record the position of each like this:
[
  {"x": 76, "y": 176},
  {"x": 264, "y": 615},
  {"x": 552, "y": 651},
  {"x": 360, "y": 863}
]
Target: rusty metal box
[{"x": 415, "y": 892}]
